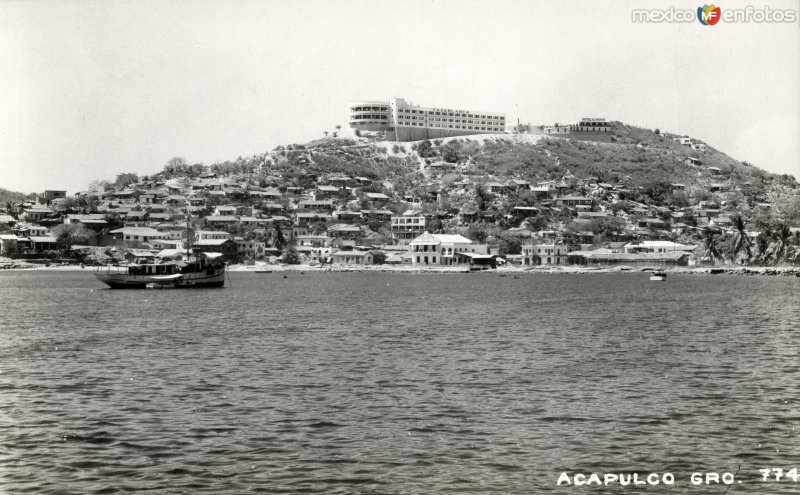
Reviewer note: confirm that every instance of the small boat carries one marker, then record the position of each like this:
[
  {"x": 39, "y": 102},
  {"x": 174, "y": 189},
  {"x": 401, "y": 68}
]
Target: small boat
[
  {"x": 658, "y": 276},
  {"x": 263, "y": 271}
]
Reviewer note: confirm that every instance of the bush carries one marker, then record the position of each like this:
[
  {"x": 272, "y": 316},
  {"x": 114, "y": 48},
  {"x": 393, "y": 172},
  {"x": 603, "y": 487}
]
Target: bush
[{"x": 291, "y": 257}]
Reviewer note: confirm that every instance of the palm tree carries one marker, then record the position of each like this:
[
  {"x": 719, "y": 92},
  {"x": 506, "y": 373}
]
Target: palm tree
[
  {"x": 712, "y": 251},
  {"x": 793, "y": 252},
  {"x": 741, "y": 241},
  {"x": 783, "y": 233},
  {"x": 762, "y": 243}
]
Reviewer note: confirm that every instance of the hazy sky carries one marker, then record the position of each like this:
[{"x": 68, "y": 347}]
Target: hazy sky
[{"x": 89, "y": 89}]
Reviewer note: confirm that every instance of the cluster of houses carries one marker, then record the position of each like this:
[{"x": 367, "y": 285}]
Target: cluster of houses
[{"x": 329, "y": 220}]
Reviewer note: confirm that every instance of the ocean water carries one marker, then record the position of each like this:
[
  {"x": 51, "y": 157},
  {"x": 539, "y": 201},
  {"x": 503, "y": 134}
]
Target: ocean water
[{"x": 397, "y": 383}]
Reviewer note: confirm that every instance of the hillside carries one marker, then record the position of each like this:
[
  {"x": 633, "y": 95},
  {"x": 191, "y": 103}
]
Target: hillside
[{"x": 629, "y": 184}]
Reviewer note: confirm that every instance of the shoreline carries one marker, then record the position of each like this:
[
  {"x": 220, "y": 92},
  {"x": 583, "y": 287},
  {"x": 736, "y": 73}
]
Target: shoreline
[{"x": 409, "y": 269}]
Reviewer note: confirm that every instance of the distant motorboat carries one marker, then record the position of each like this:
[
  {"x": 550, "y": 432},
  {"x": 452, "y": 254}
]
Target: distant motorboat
[{"x": 658, "y": 276}]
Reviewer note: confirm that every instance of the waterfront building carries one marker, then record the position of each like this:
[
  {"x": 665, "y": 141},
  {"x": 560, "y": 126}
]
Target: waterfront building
[
  {"x": 403, "y": 121},
  {"x": 553, "y": 253},
  {"x": 250, "y": 248},
  {"x": 316, "y": 247},
  {"x": 444, "y": 249},
  {"x": 352, "y": 257}
]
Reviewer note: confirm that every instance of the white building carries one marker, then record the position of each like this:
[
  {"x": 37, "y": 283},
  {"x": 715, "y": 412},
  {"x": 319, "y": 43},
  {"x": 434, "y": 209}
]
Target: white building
[
  {"x": 442, "y": 249},
  {"x": 406, "y": 122},
  {"x": 554, "y": 253}
]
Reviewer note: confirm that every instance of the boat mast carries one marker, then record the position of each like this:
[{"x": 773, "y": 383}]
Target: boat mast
[{"x": 188, "y": 241}]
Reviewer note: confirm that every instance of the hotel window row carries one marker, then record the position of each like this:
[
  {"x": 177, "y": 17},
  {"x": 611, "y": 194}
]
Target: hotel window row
[
  {"x": 450, "y": 126},
  {"x": 369, "y": 109},
  {"x": 452, "y": 114}
]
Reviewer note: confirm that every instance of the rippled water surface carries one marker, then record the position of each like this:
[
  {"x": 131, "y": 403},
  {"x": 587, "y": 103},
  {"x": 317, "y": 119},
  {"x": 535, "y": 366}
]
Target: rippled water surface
[{"x": 396, "y": 383}]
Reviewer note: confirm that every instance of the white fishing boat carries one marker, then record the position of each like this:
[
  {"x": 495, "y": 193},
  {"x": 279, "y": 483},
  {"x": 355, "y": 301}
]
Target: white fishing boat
[{"x": 658, "y": 276}]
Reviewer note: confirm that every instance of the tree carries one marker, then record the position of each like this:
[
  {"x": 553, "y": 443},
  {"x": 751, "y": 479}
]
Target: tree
[
  {"x": 99, "y": 186},
  {"x": 657, "y": 191},
  {"x": 536, "y": 223},
  {"x": 783, "y": 235},
  {"x": 175, "y": 166},
  {"x": 510, "y": 245},
  {"x": 424, "y": 149},
  {"x": 125, "y": 179},
  {"x": 280, "y": 241},
  {"x": 482, "y": 197},
  {"x": 378, "y": 257},
  {"x": 711, "y": 248},
  {"x": 65, "y": 205},
  {"x": 291, "y": 257},
  {"x": 765, "y": 252},
  {"x": 679, "y": 199},
  {"x": 72, "y": 233},
  {"x": 741, "y": 240},
  {"x": 450, "y": 152},
  {"x": 477, "y": 233}
]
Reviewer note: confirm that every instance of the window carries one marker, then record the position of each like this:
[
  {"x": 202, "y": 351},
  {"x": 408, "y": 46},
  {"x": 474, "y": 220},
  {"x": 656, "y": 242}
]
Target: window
[{"x": 434, "y": 259}]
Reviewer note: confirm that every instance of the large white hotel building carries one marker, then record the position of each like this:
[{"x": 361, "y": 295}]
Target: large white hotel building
[{"x": 402, "y": 121}]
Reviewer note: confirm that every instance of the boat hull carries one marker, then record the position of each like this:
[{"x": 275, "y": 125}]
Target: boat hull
[{"x": 188, "y": 280}]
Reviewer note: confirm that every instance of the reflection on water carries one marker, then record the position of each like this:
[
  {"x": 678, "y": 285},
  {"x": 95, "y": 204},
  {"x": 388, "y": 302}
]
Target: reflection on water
[{"x": 388, "y": 383}]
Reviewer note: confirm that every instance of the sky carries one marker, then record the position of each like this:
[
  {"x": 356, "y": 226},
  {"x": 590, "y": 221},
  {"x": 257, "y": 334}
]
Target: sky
[{"x": 91, "y": 89}]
